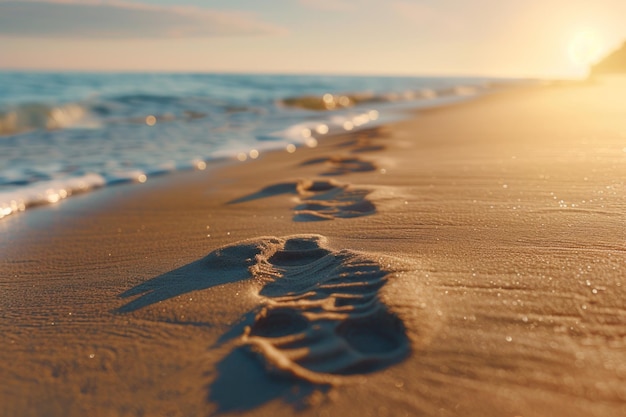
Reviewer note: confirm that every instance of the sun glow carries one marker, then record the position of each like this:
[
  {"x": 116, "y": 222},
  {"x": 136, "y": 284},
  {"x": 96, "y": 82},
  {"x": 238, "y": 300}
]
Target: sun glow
[{"x": 586, "y": 48}]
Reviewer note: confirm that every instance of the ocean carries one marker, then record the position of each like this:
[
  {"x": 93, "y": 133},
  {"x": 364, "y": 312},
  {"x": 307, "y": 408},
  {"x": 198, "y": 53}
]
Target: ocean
[{"x": 67, "y": 133}]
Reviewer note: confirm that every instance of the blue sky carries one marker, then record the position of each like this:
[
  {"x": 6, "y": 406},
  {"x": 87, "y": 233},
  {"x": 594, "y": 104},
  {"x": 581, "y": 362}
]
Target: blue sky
[{"x": 414, "y": 37}]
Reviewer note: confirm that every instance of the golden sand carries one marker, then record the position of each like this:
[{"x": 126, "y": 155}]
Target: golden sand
[{"x": 469, "y": 261}]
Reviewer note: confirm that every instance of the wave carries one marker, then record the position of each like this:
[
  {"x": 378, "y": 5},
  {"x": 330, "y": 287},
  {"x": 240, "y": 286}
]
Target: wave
[
  {"x": 96, "y": 112},
  {"x": 39, "y": 116},
  {"x": 338, "y": 101},
  {"x": 148, "y": 108}
]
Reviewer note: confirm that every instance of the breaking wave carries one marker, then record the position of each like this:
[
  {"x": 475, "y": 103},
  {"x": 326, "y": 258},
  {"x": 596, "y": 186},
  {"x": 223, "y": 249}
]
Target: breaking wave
[{"x": 39, "y": 116}]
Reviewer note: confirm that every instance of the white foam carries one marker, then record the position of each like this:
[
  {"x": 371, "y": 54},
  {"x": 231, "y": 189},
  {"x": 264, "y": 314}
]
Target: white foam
[{"x": 47, "y": 192}]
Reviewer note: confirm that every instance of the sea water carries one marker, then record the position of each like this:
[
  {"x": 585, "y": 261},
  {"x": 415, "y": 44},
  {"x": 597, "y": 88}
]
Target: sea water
[{"x": 66, "y": 133}]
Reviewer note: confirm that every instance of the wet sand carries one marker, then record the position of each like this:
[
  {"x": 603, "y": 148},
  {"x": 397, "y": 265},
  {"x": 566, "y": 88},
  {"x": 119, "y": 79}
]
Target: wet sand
[{"x": 469, "y": 261}]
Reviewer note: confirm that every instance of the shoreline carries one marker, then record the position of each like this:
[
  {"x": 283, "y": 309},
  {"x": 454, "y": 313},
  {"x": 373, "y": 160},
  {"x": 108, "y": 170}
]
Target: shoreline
[
  {"x": 486, "y": 227},
  {"x": 204, "y": 127},
  {"x": 292, "y": 132}
]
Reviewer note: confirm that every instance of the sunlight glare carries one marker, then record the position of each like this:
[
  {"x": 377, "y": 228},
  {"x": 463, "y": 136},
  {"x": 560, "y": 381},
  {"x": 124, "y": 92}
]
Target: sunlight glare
[{"x": 585, "y": 48}]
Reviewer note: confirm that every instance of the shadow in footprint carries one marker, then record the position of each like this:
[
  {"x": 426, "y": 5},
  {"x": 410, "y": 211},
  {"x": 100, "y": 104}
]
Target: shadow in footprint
[
  {"x": 223, "y": 266},
  {"x": 243, "y": 384},
  {"x": 270, "y": 191},
  {"x": 321, "y": 318}
]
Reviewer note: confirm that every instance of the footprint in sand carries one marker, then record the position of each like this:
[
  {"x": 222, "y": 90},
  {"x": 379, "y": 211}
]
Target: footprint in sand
[
  {"x": 342, "y": 165},
  {"x": 328, "y": 200},
  {"x": 322, "y": 316},
  {"x": 363, "y": 141},
  {"x": 320, "y": 200}
]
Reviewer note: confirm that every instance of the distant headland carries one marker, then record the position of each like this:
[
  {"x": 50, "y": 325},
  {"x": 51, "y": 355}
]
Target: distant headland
[{"x": 614, "y": 63}]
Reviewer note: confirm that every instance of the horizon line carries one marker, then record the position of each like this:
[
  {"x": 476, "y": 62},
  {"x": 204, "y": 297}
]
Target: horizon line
[{"x": 425, "y": 74}]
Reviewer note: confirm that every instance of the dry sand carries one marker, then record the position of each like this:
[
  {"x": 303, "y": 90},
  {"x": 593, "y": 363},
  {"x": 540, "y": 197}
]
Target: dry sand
[{"x": 470, "y": 261}]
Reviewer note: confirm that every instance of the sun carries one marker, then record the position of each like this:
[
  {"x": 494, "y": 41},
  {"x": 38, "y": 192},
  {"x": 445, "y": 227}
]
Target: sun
[{"x": 586, "y": 48}]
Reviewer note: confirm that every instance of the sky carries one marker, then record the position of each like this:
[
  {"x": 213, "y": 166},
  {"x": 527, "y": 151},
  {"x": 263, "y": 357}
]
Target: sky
[{"x": 544, "y": 38}]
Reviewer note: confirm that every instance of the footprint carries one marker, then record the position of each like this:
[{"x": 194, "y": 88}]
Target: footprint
[
  {"x": 328, "y": 200},
  {"x": 364, "y": 141},
  {"x": 342, "y": 165},
  {"x": 364, "y": 137},
  {"x": 320, "y": 200},
  {"x": 365, "y": 147},
  {"x": 322, "y": 317}
]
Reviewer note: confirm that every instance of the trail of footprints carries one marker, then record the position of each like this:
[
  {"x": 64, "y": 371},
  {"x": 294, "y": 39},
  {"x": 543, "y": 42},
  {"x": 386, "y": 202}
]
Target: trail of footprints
[
  {"x": 322, "y": 315},
  {"x": 328, "y": 200}
]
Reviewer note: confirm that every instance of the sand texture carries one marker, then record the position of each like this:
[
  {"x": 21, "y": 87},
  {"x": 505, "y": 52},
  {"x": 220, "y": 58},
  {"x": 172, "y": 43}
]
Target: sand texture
[{"x": 469, "y": 261}]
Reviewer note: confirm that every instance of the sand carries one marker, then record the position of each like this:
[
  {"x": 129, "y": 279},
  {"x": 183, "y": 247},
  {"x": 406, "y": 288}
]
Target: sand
[{"x": 468, "y": 261}]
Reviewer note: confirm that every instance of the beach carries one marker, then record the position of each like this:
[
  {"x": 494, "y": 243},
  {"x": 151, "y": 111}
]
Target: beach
[{"x": 466, "y": 261}]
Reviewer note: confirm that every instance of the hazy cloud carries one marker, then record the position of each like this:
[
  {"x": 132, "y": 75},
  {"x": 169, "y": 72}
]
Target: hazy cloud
[
  {"x": 122, "y": 19},
  {"x": 426, "y": 14},
  {"x": 418, "y": 13},
  {"x": 328, "y": 5}
]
